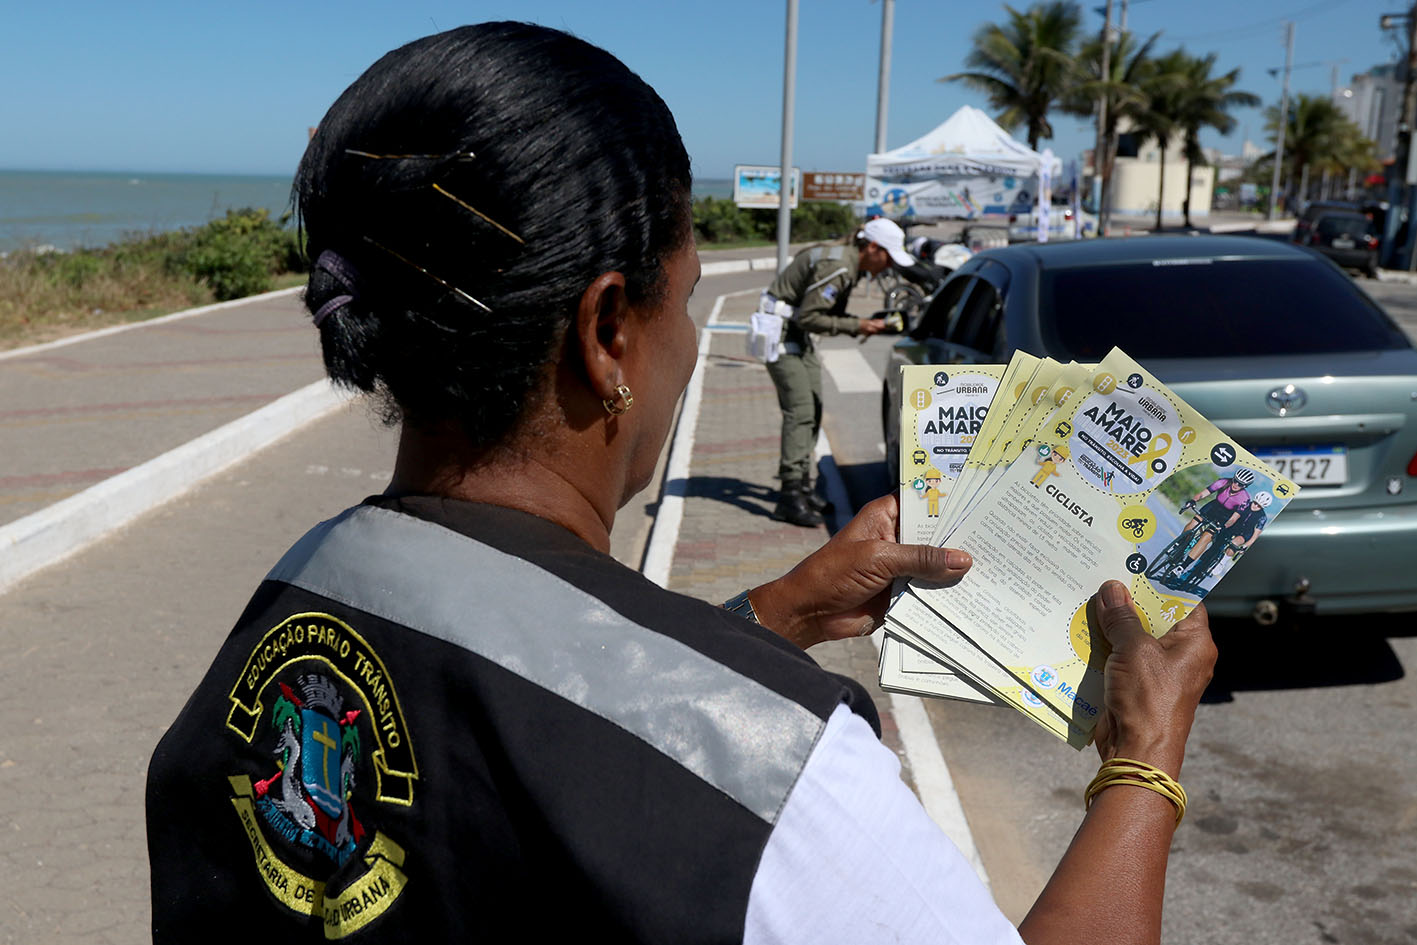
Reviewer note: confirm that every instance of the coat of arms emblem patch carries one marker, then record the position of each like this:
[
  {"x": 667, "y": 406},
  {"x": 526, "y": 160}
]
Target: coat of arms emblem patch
[{"x": 320, "y": 697}]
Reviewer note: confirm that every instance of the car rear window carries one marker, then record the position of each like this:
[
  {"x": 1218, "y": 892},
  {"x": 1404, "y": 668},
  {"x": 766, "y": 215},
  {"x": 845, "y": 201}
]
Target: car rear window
[
  {"x": 1343, "y": 224},
  {"x": 1199, "y": 308}
]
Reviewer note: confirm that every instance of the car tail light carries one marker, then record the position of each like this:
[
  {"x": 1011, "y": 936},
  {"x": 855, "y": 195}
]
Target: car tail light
[
  {"x": 1371, "y": 240},
  {"x": 1412, "y": 465},
  {"x": 1013, "y": 218}
]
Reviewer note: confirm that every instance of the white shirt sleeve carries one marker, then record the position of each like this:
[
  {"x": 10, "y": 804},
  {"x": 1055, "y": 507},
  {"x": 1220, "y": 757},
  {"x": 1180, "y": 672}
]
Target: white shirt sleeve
[{"x": 855, "y": 858}]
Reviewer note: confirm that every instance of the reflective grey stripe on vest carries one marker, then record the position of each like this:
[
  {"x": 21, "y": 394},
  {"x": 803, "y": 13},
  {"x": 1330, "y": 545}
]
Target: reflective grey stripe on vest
[{"x": 729, "y": 730}]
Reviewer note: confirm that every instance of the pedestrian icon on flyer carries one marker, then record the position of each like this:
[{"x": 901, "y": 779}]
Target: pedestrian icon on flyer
[
  {"x": 1049, "y": 458},
  {"x": 932, "y": 492}
]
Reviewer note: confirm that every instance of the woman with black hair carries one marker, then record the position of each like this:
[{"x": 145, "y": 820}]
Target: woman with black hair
[{"x": 448, "y": 713}]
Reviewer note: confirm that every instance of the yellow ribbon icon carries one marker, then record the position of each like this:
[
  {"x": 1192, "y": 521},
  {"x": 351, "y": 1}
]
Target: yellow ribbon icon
[{"x": 1159, "y": 445}]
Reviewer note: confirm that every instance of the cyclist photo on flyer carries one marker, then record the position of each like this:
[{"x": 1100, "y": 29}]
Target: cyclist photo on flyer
[{"x": 1226, "y": 515}]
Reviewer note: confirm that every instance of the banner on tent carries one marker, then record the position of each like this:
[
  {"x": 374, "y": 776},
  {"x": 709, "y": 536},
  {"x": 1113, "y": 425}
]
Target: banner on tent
[{"x": 963, "y": 196}]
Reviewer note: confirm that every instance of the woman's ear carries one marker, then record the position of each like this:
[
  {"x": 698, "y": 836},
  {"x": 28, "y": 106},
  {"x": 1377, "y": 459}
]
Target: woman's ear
[{"x": 601, "y": 324}]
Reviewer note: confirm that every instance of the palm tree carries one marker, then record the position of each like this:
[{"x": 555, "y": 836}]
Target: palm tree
[
  {"x": 1206, "y": 103},
  {"x": 1165, "y": 86},
  {"x": 1316, "y": 131},
  {"x": 1025, "y": 65},
  {"x": 1127, "y": 65},
  {"x": 1355, "y": 153}
]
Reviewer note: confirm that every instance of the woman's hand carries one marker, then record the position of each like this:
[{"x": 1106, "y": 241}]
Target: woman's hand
[
  {"x": 842, "y": 589},
  {"x": 1151, "y": 686},
  {"x": 1111, "y": 881}
]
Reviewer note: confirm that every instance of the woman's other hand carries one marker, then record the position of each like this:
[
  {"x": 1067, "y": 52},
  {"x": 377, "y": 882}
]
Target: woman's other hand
[
  {"x": 842, "y": 589},
  {"x": 1151, "y": 685}
]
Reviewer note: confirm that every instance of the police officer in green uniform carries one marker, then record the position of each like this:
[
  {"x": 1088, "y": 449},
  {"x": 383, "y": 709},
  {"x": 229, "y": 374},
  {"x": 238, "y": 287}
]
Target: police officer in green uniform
[{"x": 816, "y": 285}]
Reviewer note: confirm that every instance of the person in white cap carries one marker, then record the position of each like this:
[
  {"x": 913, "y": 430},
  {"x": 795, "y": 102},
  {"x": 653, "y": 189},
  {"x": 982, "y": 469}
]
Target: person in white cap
[{"x": 815, "y": 287}]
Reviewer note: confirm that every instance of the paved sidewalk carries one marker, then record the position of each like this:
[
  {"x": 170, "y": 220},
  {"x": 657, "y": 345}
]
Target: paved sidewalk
[{"x": 72, "y": 415}]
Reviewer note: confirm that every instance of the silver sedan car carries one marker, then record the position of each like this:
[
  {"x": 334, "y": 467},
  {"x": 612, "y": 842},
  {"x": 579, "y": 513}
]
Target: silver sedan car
[{"x": 1275, "y": 345}]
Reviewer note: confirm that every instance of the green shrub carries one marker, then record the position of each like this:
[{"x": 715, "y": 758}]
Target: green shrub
[
  {"x": 720, "y": 220},
  {"x": 241, "y": 253},
  {"x": 71, "y": 270},
  {"x": 822, "y": 221}
]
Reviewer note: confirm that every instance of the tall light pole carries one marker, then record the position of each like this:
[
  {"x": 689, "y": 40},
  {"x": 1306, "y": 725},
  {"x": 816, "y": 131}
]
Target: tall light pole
[
  {"x": 883, "y": 82},
  {"x": 789, "y": 102},
  {"x": 1283, "y": 120},
  {"x": 1099, "y": 151},
  {"x": 1406, "y": 155}
]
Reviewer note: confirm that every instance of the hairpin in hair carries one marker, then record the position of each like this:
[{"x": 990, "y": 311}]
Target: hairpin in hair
[
  {"x": 467, "y": 206},
  {"x": 438, "y": 279},
  {"x": 460, "y": 155},
  {"x": 345, "y": 274}
]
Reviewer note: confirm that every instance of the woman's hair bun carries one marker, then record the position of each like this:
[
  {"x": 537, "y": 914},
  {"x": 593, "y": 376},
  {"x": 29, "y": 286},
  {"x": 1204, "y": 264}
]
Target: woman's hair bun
[{"x": 460, "y": 196}]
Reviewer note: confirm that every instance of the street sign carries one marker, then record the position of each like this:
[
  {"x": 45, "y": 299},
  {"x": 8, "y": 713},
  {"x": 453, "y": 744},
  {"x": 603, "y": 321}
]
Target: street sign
[
  {"x": 838, "y": 187},
  {"x": 756, "y": 185}
]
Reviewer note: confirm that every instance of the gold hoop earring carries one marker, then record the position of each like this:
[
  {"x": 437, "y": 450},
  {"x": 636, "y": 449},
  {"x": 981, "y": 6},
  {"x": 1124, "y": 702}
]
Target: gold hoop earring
[{"x": 620, "y": 402}]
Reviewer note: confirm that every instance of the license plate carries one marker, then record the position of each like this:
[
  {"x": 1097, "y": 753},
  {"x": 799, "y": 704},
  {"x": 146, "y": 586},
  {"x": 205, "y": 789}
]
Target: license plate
[
  {"x": 1309, "y": 465},
  {"x": 1342, "y": 244}
]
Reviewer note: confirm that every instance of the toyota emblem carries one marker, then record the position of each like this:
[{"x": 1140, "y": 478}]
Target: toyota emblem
[{"x": 1286, "y": 400}]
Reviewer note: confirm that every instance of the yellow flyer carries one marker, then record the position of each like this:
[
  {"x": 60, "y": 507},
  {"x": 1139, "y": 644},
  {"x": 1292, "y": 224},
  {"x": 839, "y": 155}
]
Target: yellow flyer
[
  {"x": 1129, "y": 482},
  {"x": 1032, "y": 419},
  {"x": 1014, "y": 387},
  {"x": 906, "y": 670},
  {"x": 944, "y": 406},
  {"x": 916, "y": 624}
]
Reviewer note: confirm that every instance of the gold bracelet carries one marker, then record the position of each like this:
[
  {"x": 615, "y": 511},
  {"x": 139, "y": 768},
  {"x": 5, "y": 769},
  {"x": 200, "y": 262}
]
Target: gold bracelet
[{"x": 1138, "y": 774}]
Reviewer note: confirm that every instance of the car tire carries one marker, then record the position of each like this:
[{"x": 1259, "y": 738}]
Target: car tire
[{"x": 1371, "y": 269}]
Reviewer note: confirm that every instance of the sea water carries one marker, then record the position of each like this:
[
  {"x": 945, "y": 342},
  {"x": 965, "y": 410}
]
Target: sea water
[{"x": 71, "y": 209}]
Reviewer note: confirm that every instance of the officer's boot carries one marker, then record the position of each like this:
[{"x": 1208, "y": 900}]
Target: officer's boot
[
  {"x": 814, "y": 498},
  {"x": 793, "y": 506}
]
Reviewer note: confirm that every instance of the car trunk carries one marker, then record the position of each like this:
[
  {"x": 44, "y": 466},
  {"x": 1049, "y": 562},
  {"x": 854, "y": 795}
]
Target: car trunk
[{"x": 1353, "y": 428}]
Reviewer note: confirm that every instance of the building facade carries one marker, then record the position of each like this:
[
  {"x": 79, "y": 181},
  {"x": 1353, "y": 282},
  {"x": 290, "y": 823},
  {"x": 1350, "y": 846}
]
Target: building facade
[{"x": 1372, "y": 100}]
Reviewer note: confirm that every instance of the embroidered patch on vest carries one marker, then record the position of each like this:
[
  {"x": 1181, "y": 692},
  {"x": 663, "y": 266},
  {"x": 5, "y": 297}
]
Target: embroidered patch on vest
[{"x": 320, "y": 697}]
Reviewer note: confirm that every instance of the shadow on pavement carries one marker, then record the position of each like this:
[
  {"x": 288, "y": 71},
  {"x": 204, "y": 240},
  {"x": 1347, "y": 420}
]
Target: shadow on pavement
[
  {"x": 753, "y": 497},
  {"x": 865, "y": 482},
  {"x": 1255, "y": 658}
]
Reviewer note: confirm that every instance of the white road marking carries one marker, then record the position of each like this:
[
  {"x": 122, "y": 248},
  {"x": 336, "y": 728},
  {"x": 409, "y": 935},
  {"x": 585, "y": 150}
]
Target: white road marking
[{"x": 849, "y": 370}]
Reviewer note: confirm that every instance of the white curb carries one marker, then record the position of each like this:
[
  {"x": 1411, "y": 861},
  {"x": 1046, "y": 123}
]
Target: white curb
[
  {"x": 59, "y": 530},
  {"x": 726, "y": 266}
]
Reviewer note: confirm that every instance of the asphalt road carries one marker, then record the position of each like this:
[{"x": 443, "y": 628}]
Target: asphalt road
[{"x": 1301, "y": 766}]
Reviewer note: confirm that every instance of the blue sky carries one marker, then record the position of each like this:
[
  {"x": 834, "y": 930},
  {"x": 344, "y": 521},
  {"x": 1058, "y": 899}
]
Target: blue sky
[{"x": 232, "y": 87}]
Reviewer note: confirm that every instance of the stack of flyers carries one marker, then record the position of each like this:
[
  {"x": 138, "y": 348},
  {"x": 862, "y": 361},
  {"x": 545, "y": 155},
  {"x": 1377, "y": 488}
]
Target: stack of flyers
[{"x": 1078, "y": 474}]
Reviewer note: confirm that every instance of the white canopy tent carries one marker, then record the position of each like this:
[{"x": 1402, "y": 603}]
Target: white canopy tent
[{"x": 968, "y": 167}]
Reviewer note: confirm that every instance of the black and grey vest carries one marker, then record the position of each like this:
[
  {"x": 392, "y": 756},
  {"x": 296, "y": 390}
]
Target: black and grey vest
[{"x": 441, "y": 719}]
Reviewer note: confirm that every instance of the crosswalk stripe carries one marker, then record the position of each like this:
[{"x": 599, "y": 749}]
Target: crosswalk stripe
[{"x": 850, "y": 370}]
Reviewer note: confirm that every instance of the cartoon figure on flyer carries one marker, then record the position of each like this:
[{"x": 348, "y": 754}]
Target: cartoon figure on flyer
[
  {"x": 1232, "y": 541},
  {"x": 1049, "y": 463},
  {"x": 932, "y": 492},
  {"x": 1230, "y": 511}
]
